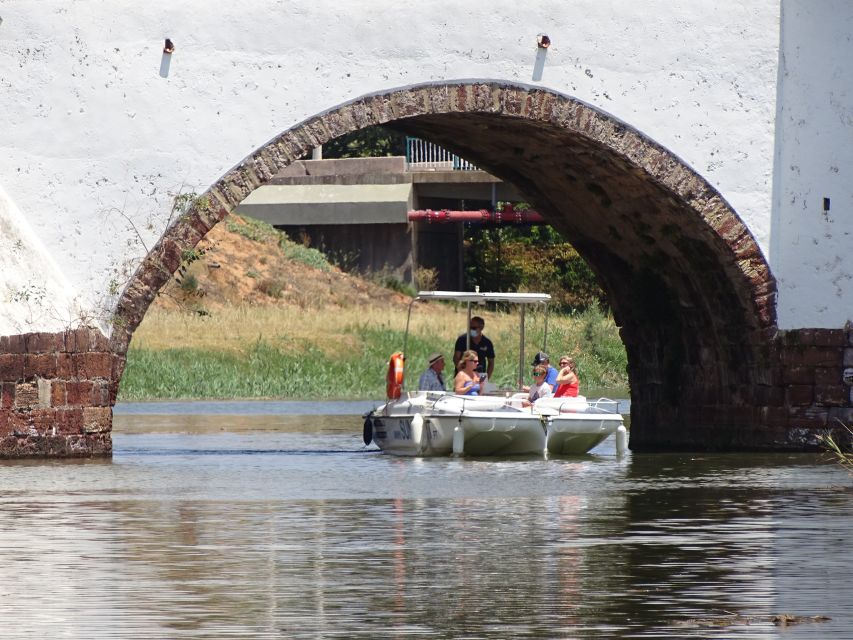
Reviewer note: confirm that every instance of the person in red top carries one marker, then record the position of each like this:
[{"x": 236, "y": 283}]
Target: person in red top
[{"x": 568, "y": 383}]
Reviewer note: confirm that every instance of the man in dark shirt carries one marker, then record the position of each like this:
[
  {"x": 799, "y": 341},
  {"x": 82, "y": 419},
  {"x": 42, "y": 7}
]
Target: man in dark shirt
[{"x": 479, "y": 343}]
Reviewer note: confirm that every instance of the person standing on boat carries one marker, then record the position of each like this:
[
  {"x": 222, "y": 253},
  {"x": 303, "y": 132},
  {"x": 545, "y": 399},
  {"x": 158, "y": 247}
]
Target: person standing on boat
[
  {"x": 568, "y": 383},
  {"x": 479, "y": 343},
  {"x": 431, "y": 379},
  {"x": 539, "y": 388},
  {"x": 550, "y": 372},
  {"x": 467, "y": 381}
]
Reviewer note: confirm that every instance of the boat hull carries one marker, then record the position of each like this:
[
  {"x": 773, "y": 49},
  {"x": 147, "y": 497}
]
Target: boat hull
[
  {"x": 498, "y": 433},
  {"x": 394, "y": 435},
  {"x": 577, "y": 424},
  {"x": 427, "y": 423},
  {"x": 576, "y": 434},
  {"x": 425, "y": 426}
]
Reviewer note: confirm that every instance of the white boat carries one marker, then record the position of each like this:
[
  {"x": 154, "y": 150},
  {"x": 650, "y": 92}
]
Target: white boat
[
  {"x": 432, "y": 423},
  {"x": 435, "y": 423}
]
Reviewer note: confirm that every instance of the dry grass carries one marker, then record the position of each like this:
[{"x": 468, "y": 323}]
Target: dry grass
[
  {"x": 841, "y": 452},
  {"x": 345, "y": 333},
  {"x": 291, "y": 328}
]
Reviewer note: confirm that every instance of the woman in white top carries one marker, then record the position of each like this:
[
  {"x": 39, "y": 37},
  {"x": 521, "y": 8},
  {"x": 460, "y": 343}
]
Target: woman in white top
[{"x": 539, "y": 388}]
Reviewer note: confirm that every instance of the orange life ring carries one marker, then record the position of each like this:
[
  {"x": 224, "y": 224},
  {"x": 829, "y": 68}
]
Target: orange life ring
[{"x": 395, "y": 375}]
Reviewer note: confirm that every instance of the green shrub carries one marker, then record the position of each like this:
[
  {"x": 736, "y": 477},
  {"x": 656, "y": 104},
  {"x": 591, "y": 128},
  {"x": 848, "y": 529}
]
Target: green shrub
[
  {"x": 386, "y": 277},
  {"x": 189, "y": 284},
  {"x": 255, "y": 230},
  {"x": 301, "y": 253},
  {"x": 530, "y": 259}
]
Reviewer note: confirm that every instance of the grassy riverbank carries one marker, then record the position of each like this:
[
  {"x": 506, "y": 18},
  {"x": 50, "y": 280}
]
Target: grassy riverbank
[{"x": 340, "y": 353}]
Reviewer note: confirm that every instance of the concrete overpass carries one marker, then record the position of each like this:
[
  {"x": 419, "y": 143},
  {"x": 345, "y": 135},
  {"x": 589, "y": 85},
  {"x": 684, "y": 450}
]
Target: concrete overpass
[
  {"x": 359, "y": 206},
  {"x": 697, "y": 156}
]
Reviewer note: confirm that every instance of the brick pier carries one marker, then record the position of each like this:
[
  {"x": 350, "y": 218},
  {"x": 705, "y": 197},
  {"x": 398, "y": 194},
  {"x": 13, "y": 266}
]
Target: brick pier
[
  {"x": 798, "y": 394},
  {"x": 57, "y": 391}
]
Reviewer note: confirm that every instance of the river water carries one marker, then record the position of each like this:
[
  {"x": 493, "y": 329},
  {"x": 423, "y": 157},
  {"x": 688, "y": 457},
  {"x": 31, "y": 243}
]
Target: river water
[{"x": 247, "y": 520}]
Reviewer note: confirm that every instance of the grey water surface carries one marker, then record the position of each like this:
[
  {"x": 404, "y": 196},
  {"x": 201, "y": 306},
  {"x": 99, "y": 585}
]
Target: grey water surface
[{"x": 254, "y": 520}]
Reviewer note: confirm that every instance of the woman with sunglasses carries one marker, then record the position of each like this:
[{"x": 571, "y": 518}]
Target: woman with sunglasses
[
  {"x": 568, "y": 383},
  {"x": 467, "y": 381}
]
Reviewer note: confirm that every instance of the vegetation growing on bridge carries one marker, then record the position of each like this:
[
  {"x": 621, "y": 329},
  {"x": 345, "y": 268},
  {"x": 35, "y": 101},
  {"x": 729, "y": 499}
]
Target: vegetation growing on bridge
[{"x": 835, "y": 444}]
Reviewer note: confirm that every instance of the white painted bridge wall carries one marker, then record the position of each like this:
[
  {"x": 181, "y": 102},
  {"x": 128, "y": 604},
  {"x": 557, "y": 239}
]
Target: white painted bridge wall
[
  {"x": 811, "y": 250},
  {"x": 99, "y": 133}
]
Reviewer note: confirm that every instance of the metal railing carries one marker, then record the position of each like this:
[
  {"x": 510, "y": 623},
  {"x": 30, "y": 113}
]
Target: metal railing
[{"x": 426, "y": 156}]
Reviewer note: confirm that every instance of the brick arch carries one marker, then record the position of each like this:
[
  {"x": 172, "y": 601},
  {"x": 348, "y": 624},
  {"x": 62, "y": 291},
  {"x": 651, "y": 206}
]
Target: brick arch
[{"x": 690, "y": 288}]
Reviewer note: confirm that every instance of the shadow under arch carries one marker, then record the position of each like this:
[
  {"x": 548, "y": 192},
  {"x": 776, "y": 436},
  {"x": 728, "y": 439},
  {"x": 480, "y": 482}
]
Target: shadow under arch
[{"x": 688, "y": 284}]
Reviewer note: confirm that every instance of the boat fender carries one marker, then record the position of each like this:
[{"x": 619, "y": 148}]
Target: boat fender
[
  {"x": 621, "y": 440},
  {"x": 367, "y": 434},
  {"x": 395, "y": 376},
  {"x": 458, "y": 440},
  {"x": 417, "y": 430}
]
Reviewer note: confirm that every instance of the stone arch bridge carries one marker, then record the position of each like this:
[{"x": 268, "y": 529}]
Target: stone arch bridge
[{"x": 720, "y": 355}]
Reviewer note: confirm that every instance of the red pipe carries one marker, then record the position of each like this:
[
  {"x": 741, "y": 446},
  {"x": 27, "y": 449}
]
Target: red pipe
[{"x": 504, "y": 216}]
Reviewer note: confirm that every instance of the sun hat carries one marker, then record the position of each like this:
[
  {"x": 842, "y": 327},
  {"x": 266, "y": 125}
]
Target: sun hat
[{"x": 434, "y": 357}]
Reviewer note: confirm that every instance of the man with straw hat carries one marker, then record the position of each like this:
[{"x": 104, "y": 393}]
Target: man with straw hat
[{"x": 431, "y": 379}]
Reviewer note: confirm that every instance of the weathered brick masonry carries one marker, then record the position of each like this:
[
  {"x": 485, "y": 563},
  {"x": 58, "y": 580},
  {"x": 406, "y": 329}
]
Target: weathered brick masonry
[
  {"x": 57, "y": 391},
  {"x": 811, "y": 365},
  {"x": 799, "y": 394}
]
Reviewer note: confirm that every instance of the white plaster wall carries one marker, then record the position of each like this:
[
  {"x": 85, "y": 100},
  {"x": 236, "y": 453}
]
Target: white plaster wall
[
  {"x": 96, "y": 143},
  {"x": 813, "y": 249},
  {"x": 35, "y": 292}
]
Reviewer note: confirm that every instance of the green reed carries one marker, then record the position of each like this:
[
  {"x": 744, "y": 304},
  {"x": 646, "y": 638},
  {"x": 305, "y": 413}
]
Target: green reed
[
  {"x": 834, "y": 443},
  {"x": 271, "y": 366}
]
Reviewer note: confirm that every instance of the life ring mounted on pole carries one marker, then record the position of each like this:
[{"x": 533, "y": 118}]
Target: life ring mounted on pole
[{"x": 395, "y": 375}]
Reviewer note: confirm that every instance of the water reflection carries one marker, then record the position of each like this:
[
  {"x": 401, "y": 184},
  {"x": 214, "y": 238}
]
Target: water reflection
[{"x": 255, "y": 526}]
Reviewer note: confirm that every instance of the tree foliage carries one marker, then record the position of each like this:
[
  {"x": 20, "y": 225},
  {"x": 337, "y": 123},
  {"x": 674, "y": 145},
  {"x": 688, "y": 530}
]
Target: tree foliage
[
  {"x": 532, "y": 258},
  {"x": 371, "y": 142}
]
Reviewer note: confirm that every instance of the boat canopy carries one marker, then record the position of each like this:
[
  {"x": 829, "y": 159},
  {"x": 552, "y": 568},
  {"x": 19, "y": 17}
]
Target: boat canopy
[
  {"x": 476, "y": 296},
  {"x": 473, "y": 297}
]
